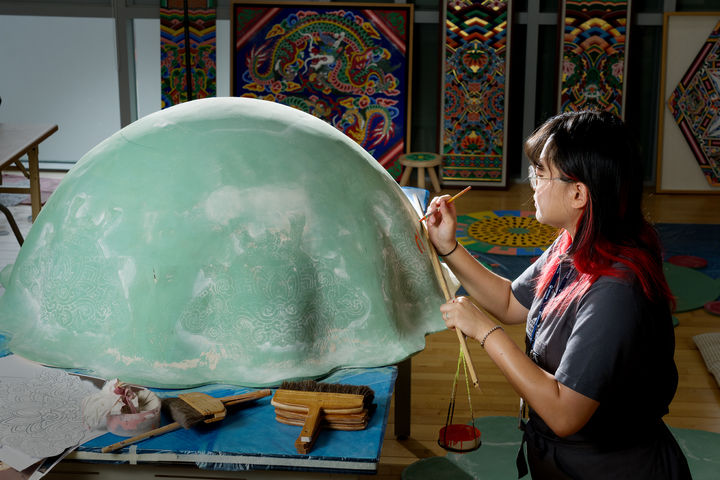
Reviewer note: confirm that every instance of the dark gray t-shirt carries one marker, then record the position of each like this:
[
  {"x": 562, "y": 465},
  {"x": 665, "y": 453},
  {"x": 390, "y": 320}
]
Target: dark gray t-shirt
[{"x": 611, "y": 345}]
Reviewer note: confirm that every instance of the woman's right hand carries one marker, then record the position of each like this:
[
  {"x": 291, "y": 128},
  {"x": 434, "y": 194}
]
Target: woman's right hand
[{"x": 442, "y": 223}]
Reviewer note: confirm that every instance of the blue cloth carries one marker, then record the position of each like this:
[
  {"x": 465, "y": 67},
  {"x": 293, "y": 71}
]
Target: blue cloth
[
  {"x": 421, "y": 194},
  {"x": 4, "y": 341},
  {"x": 250, "y": 438}
]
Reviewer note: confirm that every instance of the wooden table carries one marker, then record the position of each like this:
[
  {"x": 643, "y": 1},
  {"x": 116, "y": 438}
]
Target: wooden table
[{"x": 15, "y": 142}]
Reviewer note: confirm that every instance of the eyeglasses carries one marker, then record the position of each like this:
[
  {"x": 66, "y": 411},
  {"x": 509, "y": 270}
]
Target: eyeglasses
[{"x": 534, "y": 179}]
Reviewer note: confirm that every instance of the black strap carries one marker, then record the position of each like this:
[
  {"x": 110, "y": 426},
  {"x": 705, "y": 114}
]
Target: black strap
[{"x": 520, "y": 461}]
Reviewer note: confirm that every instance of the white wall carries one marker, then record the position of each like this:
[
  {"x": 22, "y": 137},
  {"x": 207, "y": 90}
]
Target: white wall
[
  {"x": 60, "y": 70},
  {"x": 64, "y": 70}
]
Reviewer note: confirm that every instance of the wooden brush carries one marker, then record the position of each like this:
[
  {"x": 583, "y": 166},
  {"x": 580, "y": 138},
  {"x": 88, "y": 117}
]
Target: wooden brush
[
  {"x": 310, "y": 403},
  {"x": 188, "y": 409}
]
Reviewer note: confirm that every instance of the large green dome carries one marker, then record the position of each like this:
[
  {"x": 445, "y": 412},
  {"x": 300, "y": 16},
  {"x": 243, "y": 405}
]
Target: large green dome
[{"x": 223, "y": 240}]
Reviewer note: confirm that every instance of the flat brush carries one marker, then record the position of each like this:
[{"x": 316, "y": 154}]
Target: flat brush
[
  {"x": 315, "y": 400},
  {"x": 188, "y": 409}
]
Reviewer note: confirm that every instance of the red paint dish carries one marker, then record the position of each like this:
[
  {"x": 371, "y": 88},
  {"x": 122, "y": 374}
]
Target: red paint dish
[{"x": 459, "y": 438}]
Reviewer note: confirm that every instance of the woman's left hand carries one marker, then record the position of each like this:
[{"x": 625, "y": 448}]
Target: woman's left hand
[{"x": 462, "y": 313}]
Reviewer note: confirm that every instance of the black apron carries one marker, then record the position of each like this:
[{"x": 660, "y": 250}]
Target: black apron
[{"x": 653, "y": 455}]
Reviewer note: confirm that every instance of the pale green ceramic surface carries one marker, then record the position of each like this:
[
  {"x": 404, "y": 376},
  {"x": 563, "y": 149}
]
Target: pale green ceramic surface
[{"x": 223, "y": 240}]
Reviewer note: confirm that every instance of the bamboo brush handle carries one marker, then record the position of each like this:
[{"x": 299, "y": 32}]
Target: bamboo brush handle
[
  {"x": 152, "y": 433},
  {"x": 443, "y": 284},
  {"x": 466, "y": 353}
]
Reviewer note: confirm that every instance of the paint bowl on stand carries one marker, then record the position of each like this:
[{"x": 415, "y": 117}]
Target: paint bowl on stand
[
  {"x": 459, "y": 438},
  {"x": 126, "y": 424}
]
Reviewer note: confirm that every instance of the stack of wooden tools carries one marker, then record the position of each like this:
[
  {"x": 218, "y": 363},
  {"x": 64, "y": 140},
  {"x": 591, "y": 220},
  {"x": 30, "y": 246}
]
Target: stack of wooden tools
[
  {"x": 188, "y": 409},
  {"x": 312, "y": 404}
]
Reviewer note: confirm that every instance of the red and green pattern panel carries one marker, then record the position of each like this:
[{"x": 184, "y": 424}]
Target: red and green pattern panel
[
  {"x": 187, "y": 73},
  {"x": 695, "y": 104},
  {"x": 592, "y": 71},
  {"x": 473, "y": 114}
]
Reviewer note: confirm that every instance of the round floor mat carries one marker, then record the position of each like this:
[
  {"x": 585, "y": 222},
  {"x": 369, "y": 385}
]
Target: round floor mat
[
  {"x": 692, "y": 289},
  {"x": 504, "y": 232}
]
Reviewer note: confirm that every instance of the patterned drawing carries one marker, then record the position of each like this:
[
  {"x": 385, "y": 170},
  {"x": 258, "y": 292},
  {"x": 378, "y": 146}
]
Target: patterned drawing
[
  {"x": 593, "y": 55},
  {"x": 178, "y": 28},
  {"x": 474, "y": 88},
  {"x": 344, "y": 64},
  {"x": 695, "y": 105},
  {"x": 41, "y": 408}
]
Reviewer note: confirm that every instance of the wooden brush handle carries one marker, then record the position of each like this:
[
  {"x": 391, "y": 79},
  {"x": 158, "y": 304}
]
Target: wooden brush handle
[
  {"x": 310, "y": 430},
  {"x": 443, "y": 284},
  {"x": 152, "y": 433},
  {"x": 245, "y": 397}
]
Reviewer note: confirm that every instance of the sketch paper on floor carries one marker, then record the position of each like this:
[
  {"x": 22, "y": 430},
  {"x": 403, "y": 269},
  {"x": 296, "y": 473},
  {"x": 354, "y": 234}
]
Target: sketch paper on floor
[{"x": 40, "y": 411}]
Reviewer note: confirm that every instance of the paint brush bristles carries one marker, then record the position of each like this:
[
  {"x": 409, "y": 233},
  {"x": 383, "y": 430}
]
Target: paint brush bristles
[{"x": 455, "y": 197}]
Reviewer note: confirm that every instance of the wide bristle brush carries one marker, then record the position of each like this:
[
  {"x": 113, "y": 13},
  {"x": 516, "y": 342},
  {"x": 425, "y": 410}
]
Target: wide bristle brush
[
  {"x": 188, "y": 409},
  {"x": 312, "y": 404}
]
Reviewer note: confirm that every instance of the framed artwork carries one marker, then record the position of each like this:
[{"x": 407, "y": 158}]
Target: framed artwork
[
  {"x": 346, "y": 63},
  {"x": 689, "y": 111},
  {"x": 593, "y": 67},
  {"x": 474, "y": 88},
  {"x": 188, "y": 65}
]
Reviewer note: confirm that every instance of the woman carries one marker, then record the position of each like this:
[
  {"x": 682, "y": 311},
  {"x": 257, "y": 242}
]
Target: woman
[{"x": 598, "y": 372}]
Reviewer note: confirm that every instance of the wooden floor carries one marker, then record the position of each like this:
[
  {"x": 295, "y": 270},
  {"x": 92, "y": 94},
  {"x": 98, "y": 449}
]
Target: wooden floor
[{"x": 696, "y": 405}]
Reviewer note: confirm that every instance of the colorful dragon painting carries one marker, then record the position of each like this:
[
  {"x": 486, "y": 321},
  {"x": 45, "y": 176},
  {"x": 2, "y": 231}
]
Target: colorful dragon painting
[{"x": 343, "y": 65}]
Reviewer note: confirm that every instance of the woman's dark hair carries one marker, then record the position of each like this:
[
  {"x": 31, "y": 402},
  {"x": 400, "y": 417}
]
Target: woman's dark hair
[{"x": 596, "y": 148}]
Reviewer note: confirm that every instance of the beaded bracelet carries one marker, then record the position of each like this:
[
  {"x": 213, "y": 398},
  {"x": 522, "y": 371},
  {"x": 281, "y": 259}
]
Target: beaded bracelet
[
  {"x": 451, "y": 251},
  {"x": 496, "y": 327}
]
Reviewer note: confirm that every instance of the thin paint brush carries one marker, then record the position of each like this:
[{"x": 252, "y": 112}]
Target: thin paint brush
[
  {"x": 188, "y": 409},
  {"x": 455, "y": 197}
]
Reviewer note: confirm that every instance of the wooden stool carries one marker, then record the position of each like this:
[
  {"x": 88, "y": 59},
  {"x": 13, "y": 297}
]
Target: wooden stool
[{"x": 421, "y": 161}]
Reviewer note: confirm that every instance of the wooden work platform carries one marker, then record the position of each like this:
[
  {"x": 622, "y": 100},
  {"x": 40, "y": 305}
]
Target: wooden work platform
[{"x": 17, "y": 141}]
